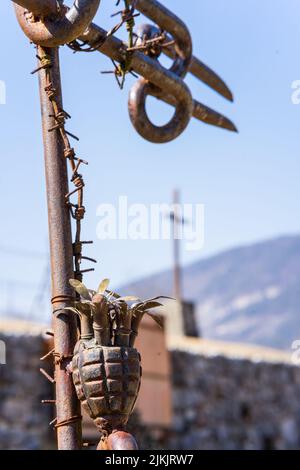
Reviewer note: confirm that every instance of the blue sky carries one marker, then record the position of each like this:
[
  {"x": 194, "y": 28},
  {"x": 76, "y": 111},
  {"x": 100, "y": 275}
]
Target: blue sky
[{"x": 249, "y": 182}]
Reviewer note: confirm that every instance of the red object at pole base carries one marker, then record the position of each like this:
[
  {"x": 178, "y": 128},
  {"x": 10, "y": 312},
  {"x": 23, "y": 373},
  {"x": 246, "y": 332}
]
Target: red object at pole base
[{"x": 118, "y": 440}]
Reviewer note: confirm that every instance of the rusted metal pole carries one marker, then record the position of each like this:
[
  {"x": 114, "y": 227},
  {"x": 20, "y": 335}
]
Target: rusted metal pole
[{"x": 61, "y": 251}]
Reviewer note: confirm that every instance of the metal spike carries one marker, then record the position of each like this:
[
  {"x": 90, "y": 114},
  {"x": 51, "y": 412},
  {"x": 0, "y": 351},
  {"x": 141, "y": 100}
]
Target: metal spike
[
  {"x": 53, "y": 421},
  {"x": 50, "y": 353},
  {"x": 202, "y": 113},
  {"x": 48, "y": 377},
  {"x": 49, "y": 332}
]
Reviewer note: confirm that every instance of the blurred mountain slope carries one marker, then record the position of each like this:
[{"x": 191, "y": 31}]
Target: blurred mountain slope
[{"x": 247, "y": 294}]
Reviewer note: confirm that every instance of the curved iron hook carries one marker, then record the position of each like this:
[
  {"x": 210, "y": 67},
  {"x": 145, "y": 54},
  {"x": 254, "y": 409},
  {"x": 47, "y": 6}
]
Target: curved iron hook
[
  {"x": 170, "y": 23},
  {"x": 180, "y": 67},
  {"x": 67, "y": 26},
  {"x": 141, "y": 122},
  {"x": 41, "y": 8},
  {"x": 153, "y": 72},
  {"x": 167, "y": 82}
]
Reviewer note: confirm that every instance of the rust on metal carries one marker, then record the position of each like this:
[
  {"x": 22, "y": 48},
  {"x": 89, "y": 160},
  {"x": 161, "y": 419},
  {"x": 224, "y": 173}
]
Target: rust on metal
[
  {"x": 141, "y": 122},
  {"x": 110, "y": 398},
  {"x": 201, "y": 112},
  {"x": 61, "y": 253},
  {"x": 106, "y": 368},
  {"x": 118, "y": 440},
  {"x": 169, "y": 22},
  {"x": 49, "y": 354},
  {"x": 102, "y": 369},
  {"x": 49, "y": 333},
  {"x": 48, "y": 377},
  {"x": 177, "y": 46},
  {"x": 152, "y": 71},
  {"x": 65, "y": 27},
  {"x": 204, "y": 73},
  {"x": 40, "y": 8}
]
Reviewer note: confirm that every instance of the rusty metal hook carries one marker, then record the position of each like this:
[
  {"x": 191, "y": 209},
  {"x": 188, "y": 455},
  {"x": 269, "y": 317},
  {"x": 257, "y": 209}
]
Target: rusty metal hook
[
  {"x": 141, "y": 122},
  {"x": 158, "y": 78},
  {"x": 53, "y": 31},
  {"x": 168, "y": 86},
  {"x": 42, "y": 8},
  {"x": 170, "y": 23},
  {"x": 180, "y": 67}
]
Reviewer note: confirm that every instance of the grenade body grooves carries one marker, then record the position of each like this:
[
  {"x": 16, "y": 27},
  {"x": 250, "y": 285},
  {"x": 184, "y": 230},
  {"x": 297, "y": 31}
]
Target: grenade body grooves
[{"x": 107, "y": 382}]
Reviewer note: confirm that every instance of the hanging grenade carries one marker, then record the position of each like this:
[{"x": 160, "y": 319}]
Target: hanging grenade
[{"x": 107, "y": 378}]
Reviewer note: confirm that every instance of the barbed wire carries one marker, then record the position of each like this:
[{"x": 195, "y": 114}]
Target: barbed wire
[
  {"x": 127, "y": 16},
  {"x": 150, "y": 46},
  {"x": 77, "y": 209}
]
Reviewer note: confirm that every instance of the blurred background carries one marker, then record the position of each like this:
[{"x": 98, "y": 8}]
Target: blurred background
[{"x": 241, "y": 297}]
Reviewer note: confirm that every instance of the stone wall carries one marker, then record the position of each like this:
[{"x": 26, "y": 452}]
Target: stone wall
[
  {"x": 234, "y": 403},
  {"x": 224, "y": 396},
  {"x": 24, "y": 422}
]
